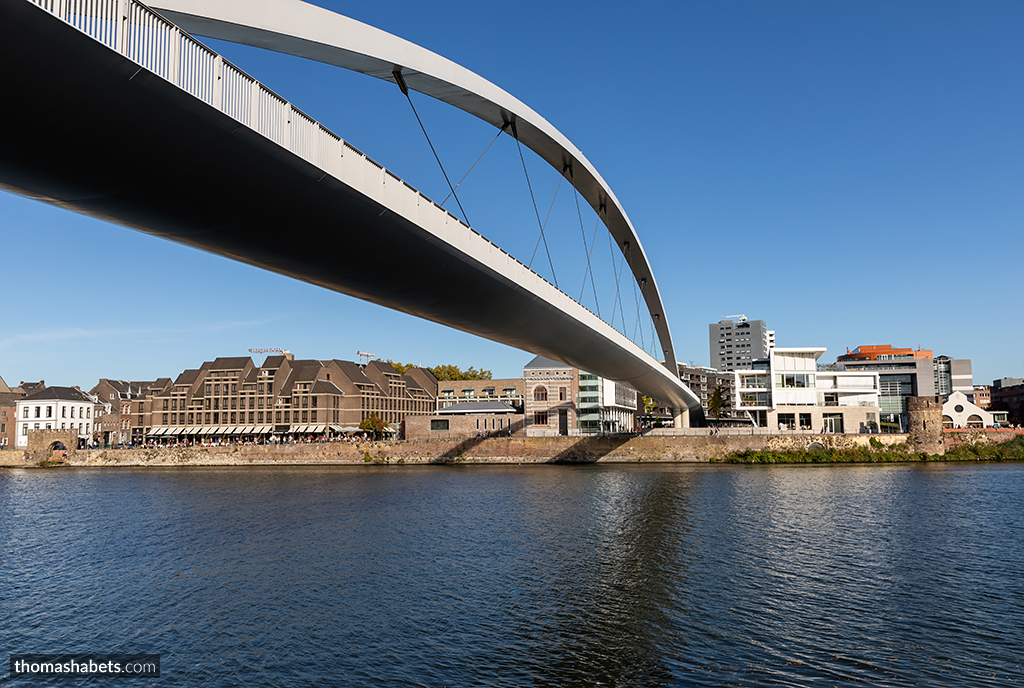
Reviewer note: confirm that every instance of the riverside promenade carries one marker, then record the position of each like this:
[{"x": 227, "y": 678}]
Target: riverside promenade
[{"x": 483, "y": 450}]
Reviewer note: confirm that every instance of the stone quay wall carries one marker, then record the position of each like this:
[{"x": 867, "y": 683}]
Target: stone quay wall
[{"x": 475, "y": 450}]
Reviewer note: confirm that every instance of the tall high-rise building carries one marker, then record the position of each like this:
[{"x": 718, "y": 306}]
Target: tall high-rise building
[
  {"x": 953, "y": 375},
  {"x": 736, "y": 344}
]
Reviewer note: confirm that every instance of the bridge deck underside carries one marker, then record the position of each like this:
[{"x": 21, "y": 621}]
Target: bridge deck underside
[{"x": 94, "y": 134}]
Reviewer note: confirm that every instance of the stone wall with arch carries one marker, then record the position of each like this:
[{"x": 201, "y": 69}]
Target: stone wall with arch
[{"x": 41, "y": 441}]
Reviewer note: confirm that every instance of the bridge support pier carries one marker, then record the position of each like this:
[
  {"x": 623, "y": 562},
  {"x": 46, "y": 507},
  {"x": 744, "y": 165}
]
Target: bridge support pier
[{"x": 680, "y": 418}]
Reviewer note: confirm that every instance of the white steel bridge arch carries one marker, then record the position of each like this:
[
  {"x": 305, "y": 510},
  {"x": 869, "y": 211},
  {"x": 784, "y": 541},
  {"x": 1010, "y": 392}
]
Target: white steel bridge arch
[
  {"x": 117, "y": 104},
  {"x": 300, "y": 29}
]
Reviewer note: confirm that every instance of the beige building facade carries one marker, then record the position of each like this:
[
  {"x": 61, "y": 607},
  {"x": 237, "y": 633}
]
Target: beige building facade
[
  {"x": 551, "y": 390},
  {"x": 231, "y": 398}
]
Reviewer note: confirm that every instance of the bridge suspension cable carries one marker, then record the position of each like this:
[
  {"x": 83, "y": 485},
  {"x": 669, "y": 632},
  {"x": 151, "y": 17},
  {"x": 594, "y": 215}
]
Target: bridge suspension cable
[
  {"x": 545, "y": 226},
  {"x": 405, "y": 90},
  {"x": 554, "y": 277},
  {"x": 471, "y": 168},
  {"x": 587, "y": 252}
]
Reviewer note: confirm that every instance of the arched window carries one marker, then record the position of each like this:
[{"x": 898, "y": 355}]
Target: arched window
[
  {"x": 540, "y": 394},
  {"x": 947, "y": 422},
  {"x": 975, "y": 421}
]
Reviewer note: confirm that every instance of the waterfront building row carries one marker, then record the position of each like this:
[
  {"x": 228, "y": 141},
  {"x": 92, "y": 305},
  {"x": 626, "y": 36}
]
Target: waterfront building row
[
  {"x": 232, "y": 398},
  {"x": 787, "y": 390}
]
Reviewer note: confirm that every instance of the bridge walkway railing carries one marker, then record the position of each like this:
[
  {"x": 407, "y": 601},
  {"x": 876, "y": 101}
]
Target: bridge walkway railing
[{"x": 139, "y": 33}]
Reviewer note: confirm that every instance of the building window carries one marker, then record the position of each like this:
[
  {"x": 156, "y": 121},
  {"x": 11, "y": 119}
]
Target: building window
[
  {"x": 791, "y": 380},
  {"x": 49, "y": 412},
  {"x": 561, "y": 393},
  {"x": 540, "y": 418},
  {"x": 37, "y": 411},
  {"x": 541, "y": 394},
  {"x": 439, "y": 424}
]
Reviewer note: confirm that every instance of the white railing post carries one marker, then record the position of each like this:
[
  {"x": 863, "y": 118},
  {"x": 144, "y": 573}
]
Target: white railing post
[
  {"x": 120, "y": 19},
  {"x": 288, "y": 127},
  {"x": 218, "y": 82},
  {"x": 58, "y": 9},
  {"x": 174, "y": 71},
  {"x": 254, "y": 117}
]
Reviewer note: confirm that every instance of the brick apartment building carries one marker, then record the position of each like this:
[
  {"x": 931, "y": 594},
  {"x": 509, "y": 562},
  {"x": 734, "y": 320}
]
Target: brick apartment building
[
  {"x": 703, "y": 381},
  {"x": 551, "y": 389},
  {"x": 9, "y": 397},
  {"x": 1006, "y": 396},
  {"x": 113, "y": 422},
  {"x": 233, "y": 398}
]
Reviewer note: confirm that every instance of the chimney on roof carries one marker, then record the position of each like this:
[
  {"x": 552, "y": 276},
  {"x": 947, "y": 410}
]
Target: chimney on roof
[{"x": 288, "y": 355}]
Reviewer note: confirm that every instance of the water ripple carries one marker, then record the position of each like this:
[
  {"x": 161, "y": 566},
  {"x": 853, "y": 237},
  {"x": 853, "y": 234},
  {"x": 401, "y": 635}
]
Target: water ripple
[{"x": 510, "y": 576}]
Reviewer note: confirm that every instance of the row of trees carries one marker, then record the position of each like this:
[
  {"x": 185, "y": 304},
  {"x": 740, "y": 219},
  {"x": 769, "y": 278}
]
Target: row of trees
[{"x": 445, "y": 372}]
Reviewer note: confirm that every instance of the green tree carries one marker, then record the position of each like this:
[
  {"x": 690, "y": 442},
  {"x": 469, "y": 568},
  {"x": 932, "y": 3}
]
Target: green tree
[
  {"x": 716, "y": 404},
  {"x": 444, "y": 372},
  {"x": 452, "y": 372},
  {"x": 374, "y": 426}
]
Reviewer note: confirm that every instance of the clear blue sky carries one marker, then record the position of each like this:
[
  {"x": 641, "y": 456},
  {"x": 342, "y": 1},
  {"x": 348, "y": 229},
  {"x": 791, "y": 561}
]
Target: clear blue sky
[{"x": 850, "y": 172}]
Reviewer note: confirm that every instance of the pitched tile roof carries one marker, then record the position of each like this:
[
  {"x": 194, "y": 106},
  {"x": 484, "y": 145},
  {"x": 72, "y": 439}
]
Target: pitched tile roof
[
  {"x": 326, "y": 387},
  {"x": 542, "y": 363},
  {"x": 187, "y": 377},
  {"x": 235, "y": 363},
  {"x": 59, "y": 393},
  {"x": 353, "y": 372},
  {"x": 273, "y": 362}
]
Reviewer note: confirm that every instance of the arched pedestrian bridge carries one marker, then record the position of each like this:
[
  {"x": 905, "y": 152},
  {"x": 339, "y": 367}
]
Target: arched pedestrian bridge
[{"x": 116, "y": 112}]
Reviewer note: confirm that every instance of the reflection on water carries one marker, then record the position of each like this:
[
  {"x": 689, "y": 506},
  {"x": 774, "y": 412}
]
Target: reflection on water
[{"x": 539, "y": 575}]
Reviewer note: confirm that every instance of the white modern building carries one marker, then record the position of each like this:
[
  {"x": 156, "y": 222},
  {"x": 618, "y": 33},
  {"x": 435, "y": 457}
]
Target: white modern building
[
  {"x": 605, "y": 406},
  {"x": 787, "y": 391},
  {"x": 55, "y": 408}
]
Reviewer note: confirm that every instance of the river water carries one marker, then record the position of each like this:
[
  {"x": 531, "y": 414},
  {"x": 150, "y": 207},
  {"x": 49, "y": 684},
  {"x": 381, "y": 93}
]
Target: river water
[{"x": 602, "y": 575}]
